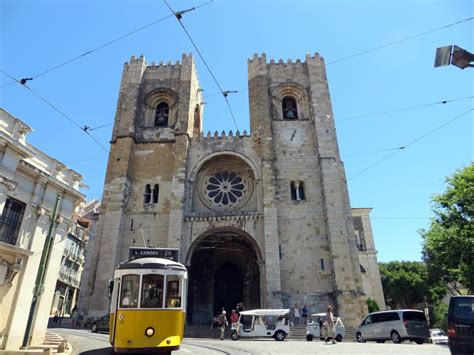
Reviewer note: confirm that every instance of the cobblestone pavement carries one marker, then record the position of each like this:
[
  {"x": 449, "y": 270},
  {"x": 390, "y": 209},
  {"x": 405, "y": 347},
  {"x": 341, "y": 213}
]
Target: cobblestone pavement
[
  {"x": 86, "y": 343},
  {"x": 270, "y": 346}
]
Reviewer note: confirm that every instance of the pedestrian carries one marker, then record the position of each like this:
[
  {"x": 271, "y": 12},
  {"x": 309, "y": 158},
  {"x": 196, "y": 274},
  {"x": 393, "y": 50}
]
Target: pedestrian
[
  {"x": 74, "y": 316},
  {"x": 296, "y": 314},
  {"x": 240, "y": 307},
  {"x": 331, "y": 328},
  {"x": 222, "y": 323},
  {"x": 234, "y": 317},
  {"x": 305, "y": 314}
]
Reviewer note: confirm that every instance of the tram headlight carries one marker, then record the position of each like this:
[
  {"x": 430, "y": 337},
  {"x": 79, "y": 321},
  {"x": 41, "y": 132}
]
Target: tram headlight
[{"x": 149, "y": 331}]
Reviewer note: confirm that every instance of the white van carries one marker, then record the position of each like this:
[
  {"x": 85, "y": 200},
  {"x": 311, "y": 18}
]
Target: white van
[{"x": 397, "y": 325}]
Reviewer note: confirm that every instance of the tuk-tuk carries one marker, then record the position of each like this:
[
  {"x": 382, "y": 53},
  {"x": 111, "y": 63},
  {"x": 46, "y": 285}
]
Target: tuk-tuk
[
  {"x": 271, "y": 323},
  {"x": 313, "y": 328}
]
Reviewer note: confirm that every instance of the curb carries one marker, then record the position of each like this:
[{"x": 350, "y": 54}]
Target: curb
[{"x": 52, "y": 344}]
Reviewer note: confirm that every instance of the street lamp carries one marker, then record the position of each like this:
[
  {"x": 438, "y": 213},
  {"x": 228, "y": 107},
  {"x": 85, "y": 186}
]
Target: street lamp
[{"x": 454, "y": 55}]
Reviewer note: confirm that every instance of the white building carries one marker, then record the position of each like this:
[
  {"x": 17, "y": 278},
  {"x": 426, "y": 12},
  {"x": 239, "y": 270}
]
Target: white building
[{"x": 30, "y": 182}]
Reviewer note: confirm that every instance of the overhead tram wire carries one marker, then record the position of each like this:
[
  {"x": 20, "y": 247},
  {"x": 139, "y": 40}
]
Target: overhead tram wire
[
  {"x": 178, "y": 16},
  {"x": 102, "y": 46},
  {"x": 399, "y": 41},
  {"x": 410, "y": 143},
  {"x": 443, "y": 102},
  {"x": 342, "y": 120},
  {"x": 56, "y": 109},
  {"x": 374, "y": 152}
]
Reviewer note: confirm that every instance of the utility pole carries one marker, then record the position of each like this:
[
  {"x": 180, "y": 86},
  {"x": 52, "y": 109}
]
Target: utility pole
[{"x": 39, "y": 283}]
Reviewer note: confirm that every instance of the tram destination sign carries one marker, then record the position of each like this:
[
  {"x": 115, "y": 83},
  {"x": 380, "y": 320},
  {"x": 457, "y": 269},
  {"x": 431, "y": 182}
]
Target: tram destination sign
[{"x": 164, "y": 253}]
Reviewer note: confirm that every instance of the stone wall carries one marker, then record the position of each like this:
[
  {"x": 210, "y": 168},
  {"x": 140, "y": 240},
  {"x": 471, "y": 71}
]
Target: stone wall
[{"x": 304, "y": 248}]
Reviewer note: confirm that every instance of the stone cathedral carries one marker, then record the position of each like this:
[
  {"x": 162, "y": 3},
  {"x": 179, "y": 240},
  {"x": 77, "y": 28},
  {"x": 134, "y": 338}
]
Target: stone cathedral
[{"x": 261, "y": 217}]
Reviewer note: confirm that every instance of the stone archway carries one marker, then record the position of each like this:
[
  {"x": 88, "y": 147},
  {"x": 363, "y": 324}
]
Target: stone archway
[{"x": 224, "y": 270}]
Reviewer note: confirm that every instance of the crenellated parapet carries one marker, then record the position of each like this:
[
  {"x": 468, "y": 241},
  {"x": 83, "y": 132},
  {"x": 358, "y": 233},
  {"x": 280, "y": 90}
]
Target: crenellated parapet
[
  {"x": 229, "y": 140},
  {"x": 223, "y": 136},
  {"x": 258, "y": 64},
  {"x": 161, "y": 69}
]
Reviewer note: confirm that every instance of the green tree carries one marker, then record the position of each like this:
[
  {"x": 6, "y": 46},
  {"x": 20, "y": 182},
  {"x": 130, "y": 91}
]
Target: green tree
[
  {"x": 406, "y": 285},
  {"x": 438, "y": 316},
  {"x": 372, "y": 305},
  {"x": 448, "y": 245}
]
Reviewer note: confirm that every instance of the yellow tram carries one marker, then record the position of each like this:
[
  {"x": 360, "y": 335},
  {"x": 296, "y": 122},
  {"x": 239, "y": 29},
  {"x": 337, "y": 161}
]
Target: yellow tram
[{"x": 148, "y": 306}]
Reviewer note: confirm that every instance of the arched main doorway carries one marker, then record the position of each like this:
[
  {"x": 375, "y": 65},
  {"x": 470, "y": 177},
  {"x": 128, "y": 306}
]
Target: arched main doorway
[{"x": 224, "y": 270}]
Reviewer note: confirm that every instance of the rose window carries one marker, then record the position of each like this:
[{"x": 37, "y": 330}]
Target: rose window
[{"x": 225, "y": 188}]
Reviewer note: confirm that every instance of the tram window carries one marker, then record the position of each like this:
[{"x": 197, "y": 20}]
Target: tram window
[
  {"x": 129, "y": 294},
  {"x": 173, "y": 292},
  {"x": 152, "y": 294}
]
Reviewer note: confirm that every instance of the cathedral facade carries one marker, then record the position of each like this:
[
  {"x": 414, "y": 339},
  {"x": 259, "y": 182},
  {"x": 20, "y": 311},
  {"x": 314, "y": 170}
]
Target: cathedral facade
[{"x": 262, "y": 218}]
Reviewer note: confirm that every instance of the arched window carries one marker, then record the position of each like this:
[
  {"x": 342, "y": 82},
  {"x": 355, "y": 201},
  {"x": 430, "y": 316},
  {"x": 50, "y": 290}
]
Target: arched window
[
  {"x": 293, "y": 190},
  {"x": 297, "y": 191},
  {"x": 161, "y": 114},
  {"x": 290, "y": 111},
  {"x": 147, "y": 193},
  {"x": 197, "y": 120},
  {"x": 156, "y": 191},
  {"x": 301, "y": 191}
]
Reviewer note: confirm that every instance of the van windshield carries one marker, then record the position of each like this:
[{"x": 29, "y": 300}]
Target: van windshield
[
  {"x": 417, "y": 316},
  {"x": 464, "y": 308}
]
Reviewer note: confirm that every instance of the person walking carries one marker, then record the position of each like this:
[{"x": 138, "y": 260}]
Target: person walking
[
  {"x": 296, "y": 314},
  {"x": 240, "y": 307},
  {"x": 331, "y": 327},
  {"x": 234, "y": 317},
  {"x": 305, "y": 314},
  {"x": 222, "y": 324},
  {"x": 74, "y": 316}
]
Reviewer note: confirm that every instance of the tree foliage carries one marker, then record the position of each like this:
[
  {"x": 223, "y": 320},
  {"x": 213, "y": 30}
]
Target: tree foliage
[
  {"x": 372, "y": 305},
  {"x": 438, "y": 316},
  {"x": 406, "y": 285},
  {"x": 448, "y": 245}
]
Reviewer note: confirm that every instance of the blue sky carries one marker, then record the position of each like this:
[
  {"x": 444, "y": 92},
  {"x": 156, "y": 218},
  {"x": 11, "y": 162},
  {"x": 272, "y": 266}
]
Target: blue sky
[{"x": 37, "y": 35}]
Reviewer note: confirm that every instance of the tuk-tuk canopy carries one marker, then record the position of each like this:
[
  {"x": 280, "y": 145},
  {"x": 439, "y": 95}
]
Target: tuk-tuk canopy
[
  {"x": 322, "y": 315},
  {"x": 265, "y": 312}
]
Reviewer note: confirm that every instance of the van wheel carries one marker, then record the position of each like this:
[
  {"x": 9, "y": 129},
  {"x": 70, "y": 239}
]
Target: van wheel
[
  {"x": 235, "y": 335},
  {"x": 339, "y": 338},
  {"x": 309, "y": 337},
  {"x": 360, "y": 338},
  {"x": 280, "y": 335},
  {"x": 419, "y": 341},
  {"x": 396, "y": 337}
]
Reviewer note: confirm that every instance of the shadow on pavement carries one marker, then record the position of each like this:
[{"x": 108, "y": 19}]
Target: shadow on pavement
[{"x": 98, "y": 351}]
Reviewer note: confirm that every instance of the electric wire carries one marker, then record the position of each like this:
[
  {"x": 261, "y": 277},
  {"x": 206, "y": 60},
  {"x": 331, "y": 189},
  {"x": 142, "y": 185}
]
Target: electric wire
[
  {"x": 103, "y": 46},
  {"x": 57, "y": 110},
  {"x": 374, "y": 152},
  {"x": 342, "y": 120},
  {"x": 281, "y": 219},
  {"x": 443, "y": 102},
  {"x": 410, "y": 143},
  {"x": 399, "y": 41},
  {"x": 84, "y": 160},
  {"x": 220, "y": 93},
  {"x": 224, "y": 93},
  {"x": 102, "y": 126}
]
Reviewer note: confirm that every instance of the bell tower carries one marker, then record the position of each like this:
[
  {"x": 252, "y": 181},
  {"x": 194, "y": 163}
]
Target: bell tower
[
  {"x": 308, "y": 222},
  {"x": 159, "y": 110}
]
